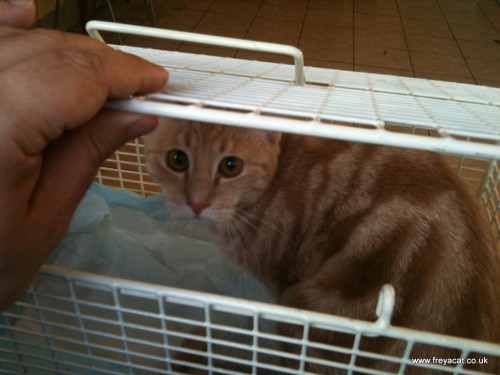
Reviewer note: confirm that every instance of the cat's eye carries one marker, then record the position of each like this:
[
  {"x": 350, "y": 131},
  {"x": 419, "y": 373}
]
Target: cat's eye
[
  {"x": 177, "y": 160},
  {"x": 230, "y": 166}
]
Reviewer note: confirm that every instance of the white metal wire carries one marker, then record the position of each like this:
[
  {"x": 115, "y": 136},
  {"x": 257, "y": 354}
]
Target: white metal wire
[
  {"x": 73, "y": 322},
  {"x": 93, "y": 28},
  {"x": 331, "y": 104},
  {"x": 76, "y": 323}
]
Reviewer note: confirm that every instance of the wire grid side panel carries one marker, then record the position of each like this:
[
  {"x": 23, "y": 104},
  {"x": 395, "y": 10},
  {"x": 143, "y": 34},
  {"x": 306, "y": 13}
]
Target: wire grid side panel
[
  {"x": 320, "y": 76},
  {"x": 75, "y": 323},
  {"x": 126, "y": 169},
  {"x": 333, "y": 103},
  {"x": 490, "y": 197},
  {"x": 473, "y": 171}
]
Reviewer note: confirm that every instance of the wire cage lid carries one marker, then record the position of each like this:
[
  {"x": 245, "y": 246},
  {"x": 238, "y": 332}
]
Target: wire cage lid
[{"x": 437, "y": 116}]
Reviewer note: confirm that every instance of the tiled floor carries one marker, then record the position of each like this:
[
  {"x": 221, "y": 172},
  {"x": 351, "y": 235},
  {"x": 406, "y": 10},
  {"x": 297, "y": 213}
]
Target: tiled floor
[{"x": 453, "y": 40}]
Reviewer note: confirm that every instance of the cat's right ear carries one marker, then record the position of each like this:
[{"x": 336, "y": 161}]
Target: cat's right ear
[{"x": 273, "y": 137}]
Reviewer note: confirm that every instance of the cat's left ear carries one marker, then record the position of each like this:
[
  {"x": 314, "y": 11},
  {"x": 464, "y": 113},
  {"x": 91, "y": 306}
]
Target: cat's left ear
[{"x": 273, "y": 137}]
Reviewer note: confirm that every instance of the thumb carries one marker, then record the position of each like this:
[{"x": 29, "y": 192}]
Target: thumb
[
  {"x": 71, "y": 163},
  {"x": 17, "y": 13}
]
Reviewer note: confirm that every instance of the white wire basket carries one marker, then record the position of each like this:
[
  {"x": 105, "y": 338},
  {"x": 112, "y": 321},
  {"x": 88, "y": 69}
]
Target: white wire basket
[{"x": 71, "y": 322}]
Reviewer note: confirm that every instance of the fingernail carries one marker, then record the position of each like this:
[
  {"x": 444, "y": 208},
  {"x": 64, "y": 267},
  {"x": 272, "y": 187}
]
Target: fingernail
[{"x": 142, "y": 126}]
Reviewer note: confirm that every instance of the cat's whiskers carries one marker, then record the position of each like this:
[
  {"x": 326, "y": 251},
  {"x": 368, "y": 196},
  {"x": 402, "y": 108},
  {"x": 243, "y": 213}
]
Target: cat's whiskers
[
  {"x": 230, "y": 237},
  {"x": 242, "y": 248},
  {"x": 234, "y": 230},
  {"x": 174, "y": 208},
  {"x": 319, "y": 225},
  {"x": 251, "y": 219}
]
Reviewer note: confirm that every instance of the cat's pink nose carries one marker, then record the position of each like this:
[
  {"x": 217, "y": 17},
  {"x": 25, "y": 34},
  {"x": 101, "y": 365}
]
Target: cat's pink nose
[{"x": 198, "y": 207}]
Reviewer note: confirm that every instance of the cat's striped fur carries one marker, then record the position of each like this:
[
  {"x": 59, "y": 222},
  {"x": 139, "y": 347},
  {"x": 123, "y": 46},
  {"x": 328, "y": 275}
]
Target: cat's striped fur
[{"x": 324, "y": 224}]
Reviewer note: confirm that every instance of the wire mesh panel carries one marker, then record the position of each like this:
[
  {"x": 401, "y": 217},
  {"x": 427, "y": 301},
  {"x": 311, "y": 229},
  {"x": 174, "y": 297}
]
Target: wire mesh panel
[
  {"x": 322, "y": 77},
  {"x": 126, "y": 169},
  {"x": 490, "y": 197},
  {"x": 459, "y": 120},
  {"x": 77, "y": 323},
  {"x": 336, "y": 112},
  {"x": 462, "y": 119}
]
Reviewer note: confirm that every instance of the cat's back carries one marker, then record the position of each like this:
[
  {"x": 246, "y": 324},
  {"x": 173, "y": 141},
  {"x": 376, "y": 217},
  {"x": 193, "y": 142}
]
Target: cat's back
[
  {"x": 356, "y": 216},
  {"x": 344, "y": 179},
  {"x": 358, "y": 176}
]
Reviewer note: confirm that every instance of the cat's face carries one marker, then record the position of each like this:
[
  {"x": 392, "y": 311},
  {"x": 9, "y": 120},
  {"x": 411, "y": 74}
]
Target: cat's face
[{"x": 211, "y": 172}]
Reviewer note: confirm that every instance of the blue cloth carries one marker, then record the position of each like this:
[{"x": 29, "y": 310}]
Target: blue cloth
[{"x": 121, "y": 234}]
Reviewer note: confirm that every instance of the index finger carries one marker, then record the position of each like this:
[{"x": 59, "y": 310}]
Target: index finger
[
  {"x": 18, "y": 13},
  {"x": 62, "y": 90},
  {"x": 17, "y": 45}
]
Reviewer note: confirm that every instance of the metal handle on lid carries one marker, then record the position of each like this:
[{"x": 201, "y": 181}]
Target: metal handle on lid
[{"x": 92, "y": 28}]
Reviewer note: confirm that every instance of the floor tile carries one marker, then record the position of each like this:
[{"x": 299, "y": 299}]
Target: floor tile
[
  {"x": 235, "y": 6},
  {"x": 486, "y": 82},
  {"x": 376, "y": 22},
  {"x": 380, "y": 7},
  {"x": 273, "y": 38},
  {"x": 454, "y": 5},
  {"x": 271, "y": 26},
  {"x": 330, "y": 51},
  {"x": 424, "y": 3},
  {"x": 484, "y": 69},
  {"x": 476, "y": 18},
  {"x": 328, "y": 5},
  {"x": 184, "y": 17},
  {"x": 379, "y": 38},
  {"x": 433, "y": 45},
  {"x": 416, "y": 10},
  {"x": 168, "y": 24},
  {"x": 491, "y": 9},
  {"x": 382, "y": 57},
  {"x": 327, "y": 34},
  {"x": 468, "y": 32},
  {"x": 495, "y": 22},
  {"x": 439, "y": 64},
  {"x": 284, "y": 13},
  {"x": 321, "y": 17},
  {"x": 293, "y": 3},
  {"x": 489, "y": 50},
  {"x": 435, "y": 39},
  {"x": 233, "y": 21},
  {"x": 190, "y": 4},
  {"x": 125, "y": 13},
  {"x": 426, "y": 27}
]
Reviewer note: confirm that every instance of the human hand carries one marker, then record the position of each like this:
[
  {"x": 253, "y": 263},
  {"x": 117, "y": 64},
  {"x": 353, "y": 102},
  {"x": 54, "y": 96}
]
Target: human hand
[
  {"x": 54, "y": 136},
  {"x": 18, "y": 13}
]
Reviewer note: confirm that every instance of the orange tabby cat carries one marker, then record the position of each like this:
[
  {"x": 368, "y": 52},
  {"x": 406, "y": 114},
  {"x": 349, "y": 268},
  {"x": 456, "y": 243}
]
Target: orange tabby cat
[{"x": 324, "y": 224}]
